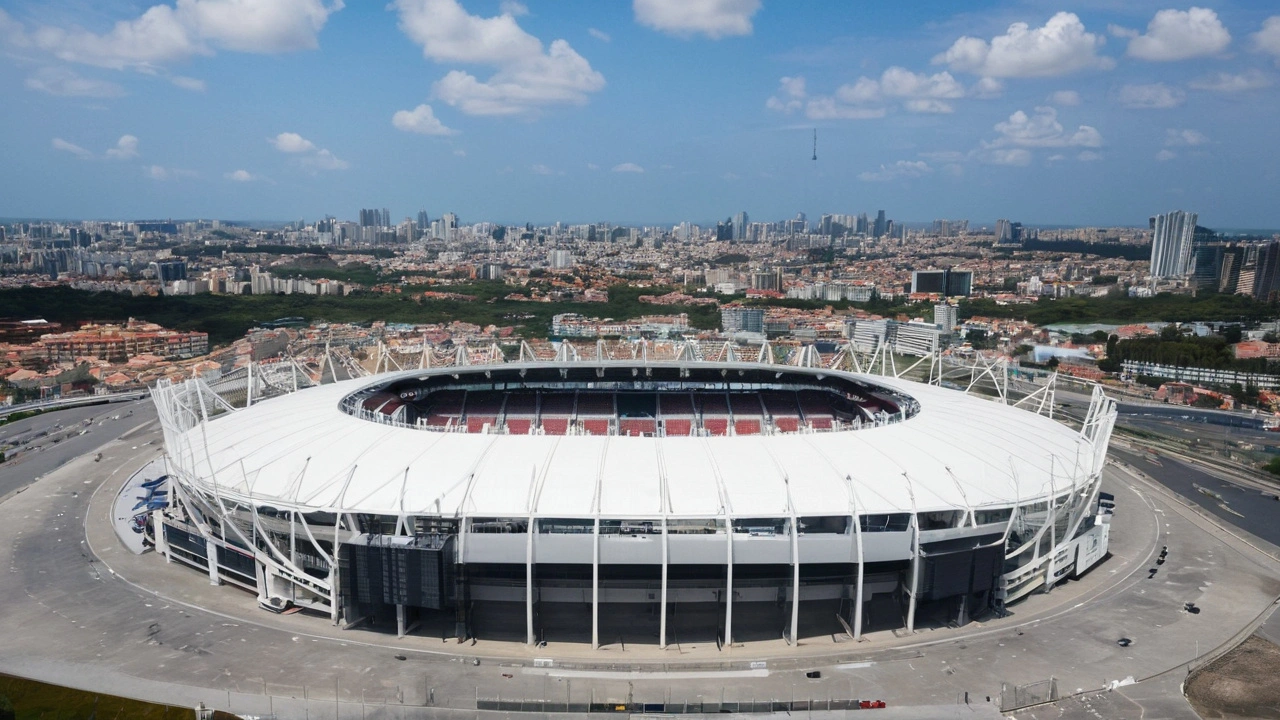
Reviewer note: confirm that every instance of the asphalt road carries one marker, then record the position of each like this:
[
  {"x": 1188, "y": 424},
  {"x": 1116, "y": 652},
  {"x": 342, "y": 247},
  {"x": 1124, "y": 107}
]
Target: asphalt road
[
  {"x": 36, "y": 446},
  {"x": 1249, "y": 509}
]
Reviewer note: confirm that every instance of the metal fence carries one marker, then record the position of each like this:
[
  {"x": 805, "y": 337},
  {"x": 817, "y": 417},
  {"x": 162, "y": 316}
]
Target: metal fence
[{"x": 1013, "y": 697}]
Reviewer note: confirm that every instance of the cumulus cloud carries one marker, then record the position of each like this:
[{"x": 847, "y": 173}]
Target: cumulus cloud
[
  {"x": 1060, "y": 47},
  {"x": 685, "y": 18},
  {"x": 156, "y": 172},
  {"x": 1088, "y": 156},
  {"x": 420, "y": 120},
  {"x": 513, "y": 8},
  {"x": 1166, "y": 155},
  {"x": 1184, "y": 138},
  {"x": 790, "y": 97},
  {"x": 126, "y": 147},
  {"x": 1229, "y": 82},
  {"x": 1180, "y": 35},
  {"x": 324, "y": 160},
  {"x": 1007, "y": 156},
  {"x": 289, "y": 142},
  {"x": 170, "y": 33},
  {"x": 241, "y": 176},
  {"x": 1267, "y": 40},
  {"x": 308, "y": 155},
  {"x": 61, "y": 81},
  {"x": 901, "y": 170},
  {"x": 627, "y": 168},
  {"x": 1156, "y": 96},
  {"x": 526, "y": 75},
  {"x": 987, "y": 87},
  {"x": 863, "y": 99},
  {"x": 63, "y": 145},
  {"x": 1064, "y": 98},
  {"x": 1042, "y": 129},
  {"x": 600, "y": 35},
  {"x": 540, "y": 169}
]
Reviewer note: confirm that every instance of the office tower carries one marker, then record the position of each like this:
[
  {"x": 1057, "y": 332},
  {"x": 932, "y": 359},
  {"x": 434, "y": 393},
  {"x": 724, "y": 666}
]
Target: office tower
[
  {"x": 740, "y": 226},
  {"x": 863, "y": 225},
  {"x": 424, "y": 222},
  {"x": 1229, "y": 273},
  {"x": 948, "y": 283},
  {"x": 724, "y": 230},
  {"x": 881, "y": 226},
  {"x": 945, "y": 317},
  {"x": 734, "y": 318},
  {"x": 1207, "y": 265},
  {"x": 1171, "y": 244},
  {"x": 1266, "y": 283},
  {"x": 1004, "y": 231}
]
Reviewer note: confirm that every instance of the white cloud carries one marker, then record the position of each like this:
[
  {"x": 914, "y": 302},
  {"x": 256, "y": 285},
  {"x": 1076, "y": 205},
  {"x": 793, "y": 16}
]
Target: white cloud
[
  {"x": 600, "y": 35},
  {"x": 61, "y": 81},
  {"x": 1184, "y": 138},
  {"x": 324, "y": 160},
  {"x": 513, "y": 8},
  {"x": 126, "y": 147},
  {"x": 241, "y": 176},
  {"x": 919, "y": 93},
  {"x": 526, "y": 76},
  {"x": 63, "y": 145},
  {"x": 1156, "y": 96},
  {"x": 541, "y": 169},
  {"x": 288, "y": 142},
  {"x": 460, "y": 152},
  {"x": 627, "y": 168},
  {"x": 1042, "y": 129},
  {"x": 1181, "y": 34},
  {"x": 987, "y": 87},
  {"x": 901, "y": 170},
  {"x": 592, "y": 166},
  {"x": 928, "y": 105},
  {"x": 420, "y": 120},
  {"x": 1166, "y": 155},
  {"x": 1064, "y": 98},
  {"x": 308, "y": 155},
  {"x": 188, "y": 83},
  {"x": 1088, "y": 156},
  {"x": 684, "y": 18},
  {"x": 1267, "y": 40},
  {"x": 1007, "y": 156},
  {"x": 170, "y": 33},
  {"x": 156, "y": 172},
  {"x": 827, "y": 108},
  {"x": 790, "y": 97},
  {"x": 1228, "y": 82},
  {"x": 1061, "y": 47}
]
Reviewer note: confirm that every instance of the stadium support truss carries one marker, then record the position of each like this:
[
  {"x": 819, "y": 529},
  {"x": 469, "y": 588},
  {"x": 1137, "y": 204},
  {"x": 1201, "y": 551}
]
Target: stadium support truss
[{"x": 401, "y": 565}]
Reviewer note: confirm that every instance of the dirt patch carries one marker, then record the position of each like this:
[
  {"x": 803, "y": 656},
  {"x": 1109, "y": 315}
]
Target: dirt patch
[{"x": 1240, "y": 684}]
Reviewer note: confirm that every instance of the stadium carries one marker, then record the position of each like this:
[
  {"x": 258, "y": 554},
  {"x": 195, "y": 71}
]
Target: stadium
[{"x": 654, "y": 502}]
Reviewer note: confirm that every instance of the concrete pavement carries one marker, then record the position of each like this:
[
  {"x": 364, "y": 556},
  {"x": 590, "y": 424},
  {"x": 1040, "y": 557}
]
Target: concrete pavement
[{"x": 95, "y": 616}]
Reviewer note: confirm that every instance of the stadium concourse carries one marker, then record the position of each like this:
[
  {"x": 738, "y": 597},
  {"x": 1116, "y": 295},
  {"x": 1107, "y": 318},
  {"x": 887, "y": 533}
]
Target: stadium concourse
[{"x": 568, "y": 500}]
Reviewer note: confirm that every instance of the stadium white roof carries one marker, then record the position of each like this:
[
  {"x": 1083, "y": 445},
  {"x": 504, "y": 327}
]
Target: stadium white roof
[{"x": 302, "y": 451}]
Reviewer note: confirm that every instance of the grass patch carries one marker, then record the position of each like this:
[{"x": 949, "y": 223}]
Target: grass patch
[{"x": 31, "y": 700}]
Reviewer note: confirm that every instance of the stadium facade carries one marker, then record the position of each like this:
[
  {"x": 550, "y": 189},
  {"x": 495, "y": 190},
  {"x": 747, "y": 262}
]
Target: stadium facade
[{"x": 590, "y": 501}]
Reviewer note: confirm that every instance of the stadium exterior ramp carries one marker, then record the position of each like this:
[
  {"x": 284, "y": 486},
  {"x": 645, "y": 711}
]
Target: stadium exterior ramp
[{"x": 531, "y": 500}]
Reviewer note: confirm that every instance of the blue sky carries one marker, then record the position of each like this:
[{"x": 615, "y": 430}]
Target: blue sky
[{"x": 1101, "y": 112}]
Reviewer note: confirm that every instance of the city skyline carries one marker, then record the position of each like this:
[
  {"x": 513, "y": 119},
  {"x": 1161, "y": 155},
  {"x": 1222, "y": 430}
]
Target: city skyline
[{"x": 1054, "y": 115}]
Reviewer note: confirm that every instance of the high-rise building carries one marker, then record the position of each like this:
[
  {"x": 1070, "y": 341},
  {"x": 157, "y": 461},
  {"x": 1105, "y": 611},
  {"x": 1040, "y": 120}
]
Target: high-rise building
[
  {"x": 1266, "y": 283},
  {"x": 881, "y": 226},
  {"x": 1171, "y": 244},
  {"x": 740, "y": 226},
  {"x": 735, "y": 318},
  {"x": 863, "y": 225},
  {"x": 946, "y": 317},
  {"x": 948, "y": 283},
  {"x": 424, "y": 222}
]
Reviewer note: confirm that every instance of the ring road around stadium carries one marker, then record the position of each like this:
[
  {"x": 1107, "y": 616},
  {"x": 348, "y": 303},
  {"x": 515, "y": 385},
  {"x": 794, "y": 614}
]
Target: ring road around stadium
[{"x": 716, "y": 501}]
